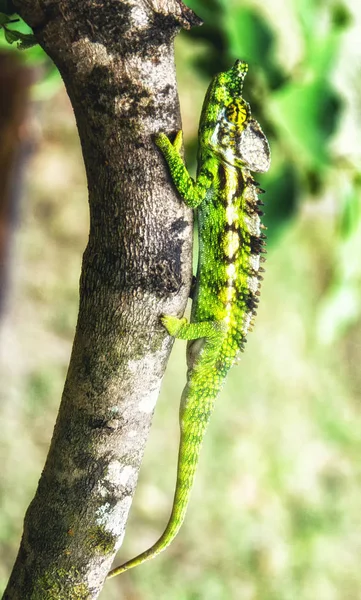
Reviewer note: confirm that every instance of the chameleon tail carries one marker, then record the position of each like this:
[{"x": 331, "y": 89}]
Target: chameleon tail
[{"x": 193, "y": 427}]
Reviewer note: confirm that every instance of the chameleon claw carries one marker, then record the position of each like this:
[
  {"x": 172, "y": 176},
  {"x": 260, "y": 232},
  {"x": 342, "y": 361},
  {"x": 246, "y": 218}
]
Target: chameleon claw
[
  {"x": 166, "y": 146},
  {"x": 178, "y": 141},
  {"x": 173, "y": 324}
]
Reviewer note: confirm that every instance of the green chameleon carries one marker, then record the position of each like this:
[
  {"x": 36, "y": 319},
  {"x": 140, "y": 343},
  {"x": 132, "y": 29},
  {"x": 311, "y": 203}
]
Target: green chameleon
[{"x": 231, "y": 145}]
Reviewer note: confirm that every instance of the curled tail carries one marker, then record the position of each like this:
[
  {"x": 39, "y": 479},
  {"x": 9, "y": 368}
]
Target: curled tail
[{"x": 189, "y": 449}]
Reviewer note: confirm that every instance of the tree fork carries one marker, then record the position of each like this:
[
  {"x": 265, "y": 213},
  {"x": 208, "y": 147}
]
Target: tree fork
[{"x": 116, "y": 59}]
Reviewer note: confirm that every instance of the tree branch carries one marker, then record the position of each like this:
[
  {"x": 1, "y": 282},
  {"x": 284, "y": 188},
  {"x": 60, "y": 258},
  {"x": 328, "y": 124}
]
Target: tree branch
[{"x": 116, "y": 59}]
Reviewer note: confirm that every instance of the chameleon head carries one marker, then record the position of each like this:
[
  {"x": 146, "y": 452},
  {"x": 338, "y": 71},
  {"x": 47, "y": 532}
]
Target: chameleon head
[
  {"x": 229, "y": 131},
  {"x": 231, "y": 81},
  {"x": 225, "y": 88}
]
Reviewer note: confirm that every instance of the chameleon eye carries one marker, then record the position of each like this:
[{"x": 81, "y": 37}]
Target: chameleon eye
[{"x": 236, "y": 112}]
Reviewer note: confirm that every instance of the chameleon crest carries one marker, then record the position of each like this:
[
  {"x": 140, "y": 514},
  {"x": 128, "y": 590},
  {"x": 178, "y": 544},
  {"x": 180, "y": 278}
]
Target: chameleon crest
[{"x": 231, "y": 240}]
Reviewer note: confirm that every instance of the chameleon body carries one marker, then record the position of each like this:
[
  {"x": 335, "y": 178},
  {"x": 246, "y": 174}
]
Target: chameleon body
[{"x": 231, "y": 145}]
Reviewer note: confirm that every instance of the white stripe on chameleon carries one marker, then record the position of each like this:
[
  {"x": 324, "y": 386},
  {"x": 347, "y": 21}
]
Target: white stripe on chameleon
[
  {"x": 230, "y": 293},
  {"x": 231, "y": 271},
  {"x": 232, "y": 215},
  {"x": 228, "y": 154},
  {"x": 231, "y": 238}
]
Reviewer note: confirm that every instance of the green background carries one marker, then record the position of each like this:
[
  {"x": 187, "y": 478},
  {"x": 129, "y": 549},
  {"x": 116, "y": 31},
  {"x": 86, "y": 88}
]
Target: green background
[{"x": 275, "y": 512}]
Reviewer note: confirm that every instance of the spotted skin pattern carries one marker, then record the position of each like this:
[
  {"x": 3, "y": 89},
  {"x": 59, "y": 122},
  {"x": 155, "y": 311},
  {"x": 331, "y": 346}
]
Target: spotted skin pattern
[{"x": 231, "y": 241}]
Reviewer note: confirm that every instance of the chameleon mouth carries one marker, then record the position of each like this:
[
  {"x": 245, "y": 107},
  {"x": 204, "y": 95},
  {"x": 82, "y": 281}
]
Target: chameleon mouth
[{"x": 241, "y": 66}]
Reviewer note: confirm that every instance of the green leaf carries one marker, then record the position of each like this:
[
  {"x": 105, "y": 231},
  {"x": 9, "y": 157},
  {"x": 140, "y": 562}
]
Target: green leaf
[
  {"x": 10, "y": 35},
  {"x": 27, "y": 41},
  {"x": 24, "y": 40}
]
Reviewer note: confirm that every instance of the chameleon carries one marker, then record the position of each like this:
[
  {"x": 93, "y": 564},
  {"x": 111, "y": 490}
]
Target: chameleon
[{"x": 231, "y": 247}]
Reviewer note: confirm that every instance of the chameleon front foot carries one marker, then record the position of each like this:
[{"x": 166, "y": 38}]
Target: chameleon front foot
[
  {"x": 166, "y": 146},
  {"x": 213, "y": 331},
  {"x": 172, "y": 324}
]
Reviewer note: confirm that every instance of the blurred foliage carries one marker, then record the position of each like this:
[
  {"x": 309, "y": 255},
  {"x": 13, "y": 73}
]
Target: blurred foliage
[
  {"x": 300, "y": 111},
  {"x": 16, "y": 35},
  {"x": 340, "y": 307},
  {"x": 21, "y": 34},
  {"x": 275, "y": 510}
]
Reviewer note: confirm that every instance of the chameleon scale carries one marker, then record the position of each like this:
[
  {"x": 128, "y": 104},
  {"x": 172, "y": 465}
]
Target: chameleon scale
[{"x": 231, "y": 240}]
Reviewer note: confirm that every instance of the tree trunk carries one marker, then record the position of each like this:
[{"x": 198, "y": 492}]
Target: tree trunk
[{"x": 116, "y": 59}]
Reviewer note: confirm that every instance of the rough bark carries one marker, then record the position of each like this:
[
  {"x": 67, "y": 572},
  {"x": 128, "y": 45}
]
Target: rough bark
[{"x": 116, "y": 59}]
